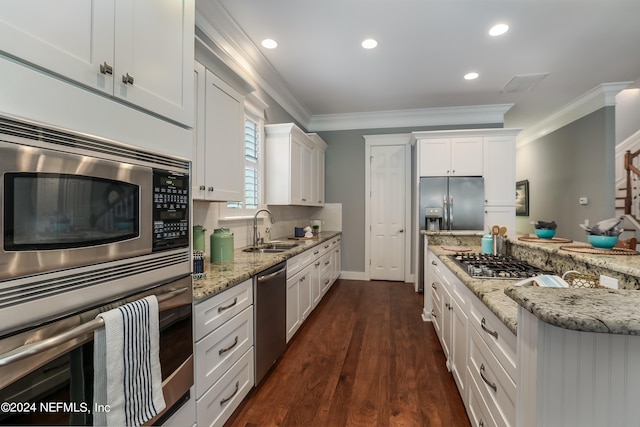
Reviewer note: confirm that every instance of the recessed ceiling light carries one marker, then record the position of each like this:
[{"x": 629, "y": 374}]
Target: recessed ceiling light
[
  {"x": 498, "y": 30},
  {"x": 471, "y": 76},
  {"x": 369, "y": 44},
  {"x": 269, "y": 43}
]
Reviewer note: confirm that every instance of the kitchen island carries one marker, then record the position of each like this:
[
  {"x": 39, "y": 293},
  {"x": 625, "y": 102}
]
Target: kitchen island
[
  {"x": 220, "y": 276},
  {"x": 578, "y": 350}
]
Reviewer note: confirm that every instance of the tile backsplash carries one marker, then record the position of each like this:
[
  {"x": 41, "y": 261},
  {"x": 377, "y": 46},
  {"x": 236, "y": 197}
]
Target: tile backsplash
[{"x": 287, "y": 218}]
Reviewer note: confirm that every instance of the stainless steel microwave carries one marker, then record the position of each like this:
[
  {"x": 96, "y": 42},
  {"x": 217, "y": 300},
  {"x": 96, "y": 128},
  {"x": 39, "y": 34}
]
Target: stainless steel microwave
[{"x": 70, "y": 200}]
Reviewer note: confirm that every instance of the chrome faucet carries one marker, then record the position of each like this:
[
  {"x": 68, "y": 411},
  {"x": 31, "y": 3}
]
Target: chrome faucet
[{"x": 255, "y": 224}]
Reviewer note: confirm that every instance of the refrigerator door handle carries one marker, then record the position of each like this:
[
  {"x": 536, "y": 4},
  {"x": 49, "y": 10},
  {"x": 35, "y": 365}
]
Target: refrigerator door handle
[
  {"x": 450, "y": 212},
  {"x": 445, "y": 213}
]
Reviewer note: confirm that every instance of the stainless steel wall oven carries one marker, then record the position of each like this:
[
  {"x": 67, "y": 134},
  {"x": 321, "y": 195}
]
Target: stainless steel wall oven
[{"x": 86, "y": 224}]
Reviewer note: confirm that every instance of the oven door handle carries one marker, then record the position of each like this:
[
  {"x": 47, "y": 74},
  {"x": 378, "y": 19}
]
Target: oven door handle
[{"x": 33, "y": 348}]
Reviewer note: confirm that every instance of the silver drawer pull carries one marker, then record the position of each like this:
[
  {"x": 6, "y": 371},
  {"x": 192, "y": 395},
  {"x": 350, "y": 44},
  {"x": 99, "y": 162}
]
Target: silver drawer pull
[
  {"x": 489, "y": 331},
  {"x": 226, "y": 399},
  {"x": 433, "y": 285},
  {"x": 489, "y": 383},
  {"x": 433, "y": 314},
  {"x": 434, "y": 263},
  {"x": 221, "y": 309},
  {"x": 106, "y": 68},
  {"x": 127, "y": 79},
  {"x": 224, "y": 350}
]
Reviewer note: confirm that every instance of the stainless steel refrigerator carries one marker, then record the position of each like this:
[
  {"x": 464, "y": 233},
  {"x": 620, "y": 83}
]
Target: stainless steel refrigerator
[{"x": 450, "y": 203}]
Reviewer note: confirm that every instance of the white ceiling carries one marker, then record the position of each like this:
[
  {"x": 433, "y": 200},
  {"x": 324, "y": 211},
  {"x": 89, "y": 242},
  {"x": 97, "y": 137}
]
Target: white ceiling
[{"x": 425, "y": 47}]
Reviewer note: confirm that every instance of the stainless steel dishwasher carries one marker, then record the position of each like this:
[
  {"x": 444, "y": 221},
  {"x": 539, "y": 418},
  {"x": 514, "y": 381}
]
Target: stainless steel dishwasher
[{"x": 270, "y": 305}]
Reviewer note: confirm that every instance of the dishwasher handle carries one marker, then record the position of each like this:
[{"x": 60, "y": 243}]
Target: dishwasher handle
[{"x": 268, "y": 276}]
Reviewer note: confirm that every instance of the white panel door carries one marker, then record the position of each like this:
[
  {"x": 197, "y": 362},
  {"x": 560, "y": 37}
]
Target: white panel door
[{"x": 387, "y": 212}]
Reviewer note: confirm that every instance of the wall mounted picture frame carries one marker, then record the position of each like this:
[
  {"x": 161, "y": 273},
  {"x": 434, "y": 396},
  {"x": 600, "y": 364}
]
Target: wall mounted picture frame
[{"x": 522, "y": 198}]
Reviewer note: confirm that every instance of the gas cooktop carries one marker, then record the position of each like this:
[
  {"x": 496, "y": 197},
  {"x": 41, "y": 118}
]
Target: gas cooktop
[{"x": 496, "y": 266}]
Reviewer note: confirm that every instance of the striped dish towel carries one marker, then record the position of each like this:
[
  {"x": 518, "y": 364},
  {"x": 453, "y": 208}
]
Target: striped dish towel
[
  {"x": 545, "y": 281},
  {"x": 127, "y": 374}
]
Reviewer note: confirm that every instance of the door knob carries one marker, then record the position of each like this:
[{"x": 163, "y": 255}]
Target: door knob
[{"x": 401, "y": 230}]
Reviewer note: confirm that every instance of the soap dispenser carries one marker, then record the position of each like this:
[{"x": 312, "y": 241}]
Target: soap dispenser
[{"x": 487, "y": 243}]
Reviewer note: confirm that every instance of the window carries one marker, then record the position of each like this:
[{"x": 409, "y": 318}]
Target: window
[{"x": 252, "y": 170}]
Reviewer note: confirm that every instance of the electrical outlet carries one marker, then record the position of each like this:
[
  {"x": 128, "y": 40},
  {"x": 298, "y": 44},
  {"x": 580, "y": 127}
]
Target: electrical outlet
[
  {"x": 583, "y": 200},
  {"x": 609, "y": 282}
]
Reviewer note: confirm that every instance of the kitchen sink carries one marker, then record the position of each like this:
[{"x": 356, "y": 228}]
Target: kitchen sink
[{"x": 271, "y": 248}]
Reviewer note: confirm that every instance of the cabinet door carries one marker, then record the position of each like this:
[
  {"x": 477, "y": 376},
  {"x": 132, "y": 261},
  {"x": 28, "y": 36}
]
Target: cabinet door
[
  {"x": 305, "y": 175},
  {"x": 500, "y": 171},
  {"x": 318, "y": 176},
  {"x": 316, "y": 284},
  {"x": 296, "y": 172},
  {"x": 70, "y": 38},
  {"x": 501, "y": 215},
  {"x": 198, "y": 187},
  {"x": 224, "y": 148},
  {"x": 459, "y": 348},
  {"x": 293, "y": 305},
  {"x": 305, "y": 293},
  {"x": 435, "y": 157},
  {"x": 447, "y": 327},
  {"x": 154, "y": 45},
  {"x": 466, "y": 156}
]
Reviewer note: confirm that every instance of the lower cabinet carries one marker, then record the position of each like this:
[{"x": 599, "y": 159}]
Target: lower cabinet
[
  {"x": 224, "y": 356},
  {"x": 480, "y": 350},
  {"x": 309, "y": 276}
]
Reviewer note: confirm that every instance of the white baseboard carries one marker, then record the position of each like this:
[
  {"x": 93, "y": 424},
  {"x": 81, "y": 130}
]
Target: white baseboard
[
  {"x": 354, "y": 275},
  {"x": 426, "y": 317}
]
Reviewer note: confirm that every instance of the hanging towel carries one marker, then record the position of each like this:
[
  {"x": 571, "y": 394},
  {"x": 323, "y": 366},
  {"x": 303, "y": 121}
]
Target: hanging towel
[
  {"x": 127, "y": 374},
  {"x": 545, "y": 281}
]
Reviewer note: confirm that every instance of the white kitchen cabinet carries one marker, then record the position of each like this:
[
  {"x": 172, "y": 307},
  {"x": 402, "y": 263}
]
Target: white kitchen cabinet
[
  {"x": 501, "y": 215},
  {"x": 224, "y": 356},
  {"x": 452, "y": 299},
  {"x": 317, "y": 168},
  {"x": 218, "y": 165},
  {"x": 500, "y": 170},
  {"x": 460, "y": 156},
  {"x": 293, "y": 166},
  {"x": 137, "y": 51},
  {"x": 299, "y": 299}
]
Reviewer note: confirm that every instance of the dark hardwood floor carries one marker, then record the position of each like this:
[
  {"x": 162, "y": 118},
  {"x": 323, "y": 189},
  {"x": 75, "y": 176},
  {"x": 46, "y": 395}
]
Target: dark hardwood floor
[{"x": 363, "y": 358}]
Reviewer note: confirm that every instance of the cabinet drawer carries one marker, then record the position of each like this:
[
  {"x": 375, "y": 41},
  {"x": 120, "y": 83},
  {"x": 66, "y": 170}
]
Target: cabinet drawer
[
  {"x": 325, "y": 280},
  {"x": 436, "y": 312},
  {"x": 326, "y": 263},
  {"x": 219, "y": 350},
  {"x": 213, "y": 312},
  {"x": 496, "y": 335},
  {"x": 219, "y": 402},
  {"x": 298, "y": 262},
  {"x": 479, "y": 414},
  {"x": 495, "y": 385}
]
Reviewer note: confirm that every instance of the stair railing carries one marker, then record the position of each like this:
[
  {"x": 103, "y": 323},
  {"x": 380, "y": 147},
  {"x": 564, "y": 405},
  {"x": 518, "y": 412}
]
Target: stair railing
[{"x": 630, "y": 194}]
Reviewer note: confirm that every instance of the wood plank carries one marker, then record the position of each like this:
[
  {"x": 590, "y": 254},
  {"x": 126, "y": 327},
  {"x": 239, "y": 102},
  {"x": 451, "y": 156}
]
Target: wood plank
[{"x": 363, "y": 358}]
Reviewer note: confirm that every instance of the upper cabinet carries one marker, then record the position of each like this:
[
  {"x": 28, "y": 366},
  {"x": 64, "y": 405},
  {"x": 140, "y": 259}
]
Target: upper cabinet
[
  {"x": 137, "y": 51},
  {"x": 294, "y": 166},
  {"x": 456, "y": 156},
  {"x": 218, "y": 168}
]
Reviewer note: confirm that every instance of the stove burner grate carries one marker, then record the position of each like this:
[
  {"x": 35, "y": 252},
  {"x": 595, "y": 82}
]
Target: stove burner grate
[{"x": 496, "y": 266}]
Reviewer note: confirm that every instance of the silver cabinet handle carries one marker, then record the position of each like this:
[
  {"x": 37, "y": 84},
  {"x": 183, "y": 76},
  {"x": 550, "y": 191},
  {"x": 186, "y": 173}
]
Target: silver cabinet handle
[
  {"x": 317, "y": 264},
  {"x": 202, "y": 188},
  {"x": 489, "y": 331},
  {"x": 106, "y": 68},
  {"x": 446, "y": 304},
  {"x": 434, "y": 263},
  {"x": 433, "y": 314},
  {"x": 226, "y": 399},
  {"x": 433, "y": 285},
  {"x": 210, "y": 189},
  {"x": 401, "y": 230},
  {"x": 481, "y": 423},
  {"x": 489, "y": 383},
  {"x": 127, "y": 79},
  {"x": 221, "y": 309},
  {"x": 224, "y": 350}
]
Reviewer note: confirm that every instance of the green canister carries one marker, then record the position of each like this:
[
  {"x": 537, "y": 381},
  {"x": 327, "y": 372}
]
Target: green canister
[
  {"x": 221, "y": 245},
  {"x": 198, "y": 238}
]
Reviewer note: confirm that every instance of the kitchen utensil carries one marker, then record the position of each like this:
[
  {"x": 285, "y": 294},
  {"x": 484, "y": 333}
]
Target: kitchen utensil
[
  {"x": 503, "y": 231},
  {"x": 495, "y": 230},
  {"x": 221, "y": 245}
]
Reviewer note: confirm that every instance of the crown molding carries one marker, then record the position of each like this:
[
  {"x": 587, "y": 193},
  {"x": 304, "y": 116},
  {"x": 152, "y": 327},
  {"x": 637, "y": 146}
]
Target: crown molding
[
  {"x": 599, "y": 97},
  {"x": 232, "y": 46},
  {"x": 480, "y": 114}
]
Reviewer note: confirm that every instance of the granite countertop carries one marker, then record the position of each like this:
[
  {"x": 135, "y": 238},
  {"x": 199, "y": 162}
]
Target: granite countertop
[
  {"x": 222, "y": 275},
  {"x": 588, "y": 310}
]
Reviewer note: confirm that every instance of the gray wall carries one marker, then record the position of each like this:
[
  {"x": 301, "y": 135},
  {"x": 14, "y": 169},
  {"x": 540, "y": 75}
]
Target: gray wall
[
  {"x": 345, "y": 182},
  {"x": 574, "y": 161}
]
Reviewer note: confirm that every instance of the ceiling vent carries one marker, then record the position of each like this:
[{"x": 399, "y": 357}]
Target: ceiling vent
[{"x": 524, "y": 82}]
